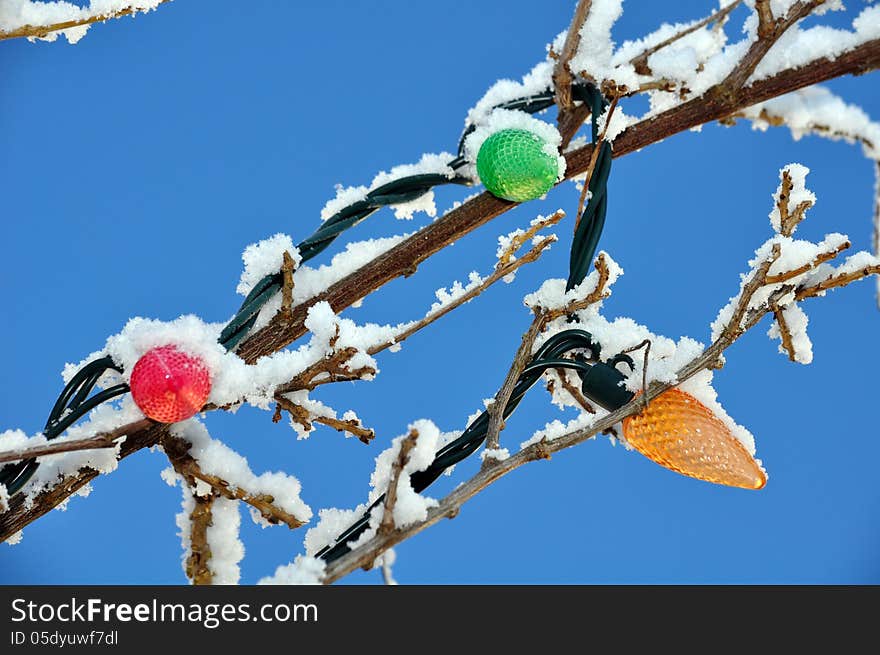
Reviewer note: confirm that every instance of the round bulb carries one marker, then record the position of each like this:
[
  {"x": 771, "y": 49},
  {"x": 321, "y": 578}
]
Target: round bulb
[
  {"x": 513, "y": 165},
  {"x": 679, "y": 432},
  {"x": 169, "y": 385}
]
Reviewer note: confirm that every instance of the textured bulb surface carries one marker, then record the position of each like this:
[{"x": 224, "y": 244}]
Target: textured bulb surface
[
  {"x": 679, "y": 432},
  {"x": 169, "y": 385},
  {"x": 512, "y": 165}
]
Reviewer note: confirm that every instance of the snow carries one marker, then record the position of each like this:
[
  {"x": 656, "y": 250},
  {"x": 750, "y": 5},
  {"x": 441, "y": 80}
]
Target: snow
[
  {"x": 596, "y": 48},
  {"x": 506, "y": 119},
  {"x": 429, "y": 163},
  {"x": 4, "y": 494},
  {"x": 264, "y": 258},
  {"x": 674, "y": 62},
  {"x": 556, "y": 428},
  {"x": 331, "y": 522},
  {"x": 536, "y": 81},
  {"x": 816, "y": 110},
  {"x": 303, "y": 571},
  {"x": 15, "y": 14},
  {"x": 553, "y": 296},
  {"x": 310, "y": 282},
  {"x": 798, "y": 46},
  {"x": 794, "y": 255},
  {"x": 182, "y": 519},
  {"x": 446, "y": 297},
  {"x": 216, "y": 458},
  {"x": 53, "y": 468},
  {"x": 498, "y": 454},
  {"x": 797, "y": 321},
  {"x": 386, "y": 560},
  {"x": 799, "y": 193},
  {"x": 666, "y": 357},
  {"x": 226, "y": 548},
  {"x": 619, "y": 122},
  {"x": 410, "y": 506}
]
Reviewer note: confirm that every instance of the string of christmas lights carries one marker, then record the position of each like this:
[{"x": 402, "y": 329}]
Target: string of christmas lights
[{"x": 165, "y": 369}]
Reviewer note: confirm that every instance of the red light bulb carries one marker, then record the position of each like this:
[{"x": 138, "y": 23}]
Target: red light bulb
[{"x": 169, "y": 385}]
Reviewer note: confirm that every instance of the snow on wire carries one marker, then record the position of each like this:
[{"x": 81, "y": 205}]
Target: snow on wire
[{"x": 74, "y": 401}]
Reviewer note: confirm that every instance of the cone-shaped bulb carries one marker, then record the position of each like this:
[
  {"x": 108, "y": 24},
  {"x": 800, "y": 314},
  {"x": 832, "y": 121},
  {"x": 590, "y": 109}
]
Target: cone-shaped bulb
[{"x": 679, "y": 432}]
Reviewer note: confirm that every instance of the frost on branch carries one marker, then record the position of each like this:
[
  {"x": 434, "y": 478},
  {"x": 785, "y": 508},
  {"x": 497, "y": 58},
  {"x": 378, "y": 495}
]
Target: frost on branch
[
  {"x": 816, "y": 110},
  {"x": 408, "y": 453},
  {"x": 666, "y": 357},
  {"x": 46, "y": 20},
  {"x": 303, "y": 571},
  {"x": 786, "y": 271},
  {"x": 210, "y": 464},
  {"x": 209, "y": 527}
]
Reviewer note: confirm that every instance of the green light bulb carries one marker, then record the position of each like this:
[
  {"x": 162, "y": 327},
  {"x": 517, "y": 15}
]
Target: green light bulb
[{"x": 512, "y": 165}]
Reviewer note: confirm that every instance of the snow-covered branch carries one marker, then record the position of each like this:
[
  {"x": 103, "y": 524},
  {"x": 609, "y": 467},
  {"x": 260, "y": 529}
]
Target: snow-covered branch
[
  {"x": 33, "y": 19},
  {"x": 691, "y": 75},
  {"x": 782, "y": 274}
]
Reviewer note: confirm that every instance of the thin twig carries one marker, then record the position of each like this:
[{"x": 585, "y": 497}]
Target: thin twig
[
  {"x": 640, "y": 61},
  {"x": 800, "y": 270},
  {"x": 573, "y": 391},
  {"x": 834, "y": 281},
  {"x": 100, "y": 441},
  {"x": 287, "y": 268},
  {"x": 593, "y": 158},
  {"x": 364, "y": 435},
  {"x": 770, "y": 29},
  {"x": 408, "y": 443},
  {"x": 784, "y": 332},
  {"x": 646, "y": 344},
  {"x": 568, "y": 120},
  {"x": 177, "y": 451},
  {"x": 520, "y": 360},
  {"x": 387, "y": 575},
  {"x": 333, "y": 368},
  {"x": 506, "y": 265}
]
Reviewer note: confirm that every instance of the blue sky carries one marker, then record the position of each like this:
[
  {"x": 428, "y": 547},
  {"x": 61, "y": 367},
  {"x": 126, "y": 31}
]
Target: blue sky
[{"x": 138, "y": 164}]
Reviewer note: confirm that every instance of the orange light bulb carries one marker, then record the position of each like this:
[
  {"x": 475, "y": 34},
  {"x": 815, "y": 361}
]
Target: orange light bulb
[{"x": 679, "y": 432}]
